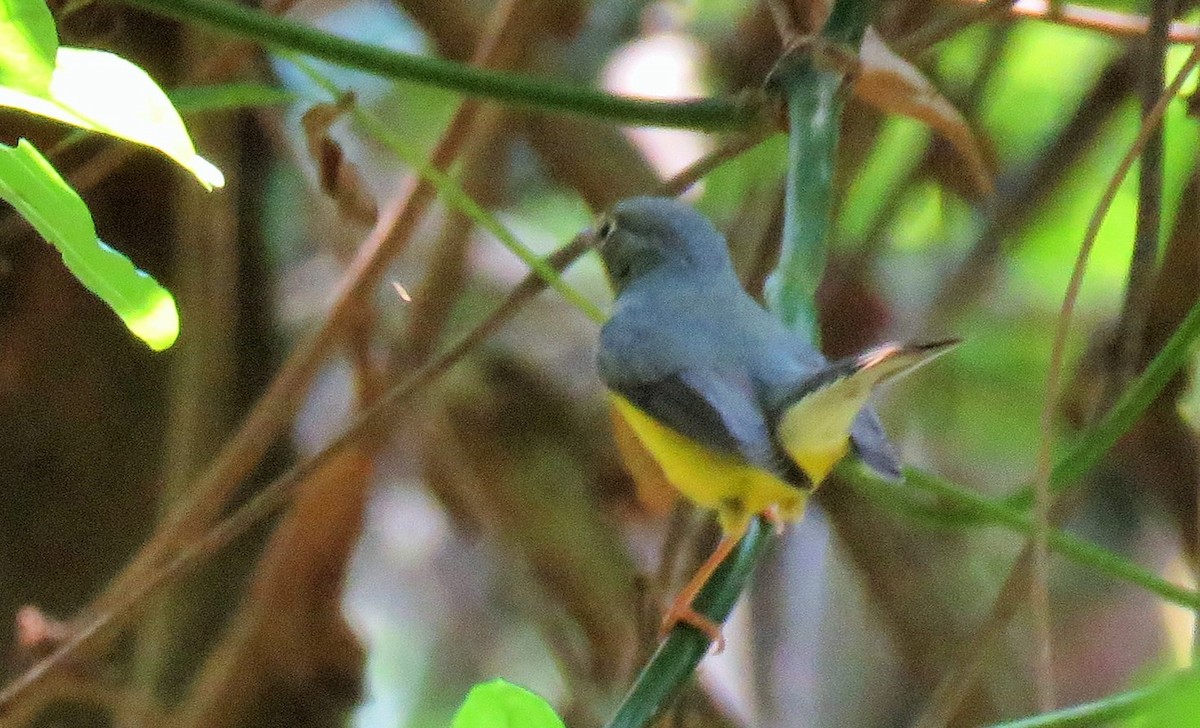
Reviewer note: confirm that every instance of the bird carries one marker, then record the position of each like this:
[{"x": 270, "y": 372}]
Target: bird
[{"x": 741, "y": 415}]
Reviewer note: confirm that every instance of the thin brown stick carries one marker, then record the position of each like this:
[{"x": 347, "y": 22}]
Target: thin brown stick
[
  {"x": 275, "y": 495},
  {"x": 1143, "y": 263},
  {"x": 727, "y": 150},
  {"x": 93, "y": 632},
  {"x": 943, "y": 28},
  {"x": 1109, "y": 22},
  {"x": 209, "y": 494},
  {"x": 1040, "y": 182},
  {"x": 784, "y": 15},
  {"x": 223, "y": 691},
  {"x": 949, "y": 695}
]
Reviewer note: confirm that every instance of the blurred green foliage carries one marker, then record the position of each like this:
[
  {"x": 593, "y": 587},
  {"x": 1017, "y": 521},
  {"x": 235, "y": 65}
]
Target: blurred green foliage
[{"x": 500, "y": 704}]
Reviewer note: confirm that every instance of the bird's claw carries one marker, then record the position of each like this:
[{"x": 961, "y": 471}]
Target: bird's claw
[{"x": 686, "y": 615}]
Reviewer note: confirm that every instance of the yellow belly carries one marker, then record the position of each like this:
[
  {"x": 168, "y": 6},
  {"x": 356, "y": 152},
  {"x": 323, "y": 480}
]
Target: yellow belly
[{"x": 724, "y": 483}]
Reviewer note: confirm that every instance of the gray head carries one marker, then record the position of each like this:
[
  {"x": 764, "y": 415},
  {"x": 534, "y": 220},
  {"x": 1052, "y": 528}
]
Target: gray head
[{"x": 643, "y": 236}]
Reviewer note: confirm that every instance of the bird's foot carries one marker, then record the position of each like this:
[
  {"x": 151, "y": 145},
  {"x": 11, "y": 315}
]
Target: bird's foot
[
  {"x": 683, "y": 613},
  {"x": 772, "y": 516}
]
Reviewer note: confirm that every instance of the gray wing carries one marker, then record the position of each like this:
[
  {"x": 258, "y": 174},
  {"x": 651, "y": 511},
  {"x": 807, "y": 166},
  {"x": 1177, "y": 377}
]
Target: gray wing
[
  {"x": 716, "y": 408},
  {"x": 867, "y": 436},
  {"x": 872, "y": 446}
]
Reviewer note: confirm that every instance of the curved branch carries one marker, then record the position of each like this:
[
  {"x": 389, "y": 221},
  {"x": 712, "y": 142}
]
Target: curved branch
[{"x": 705, "y": 113}]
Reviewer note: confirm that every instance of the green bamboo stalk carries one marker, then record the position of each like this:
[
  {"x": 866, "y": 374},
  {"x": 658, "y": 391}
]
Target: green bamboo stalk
[
  {"x": 706, "y": 113},
  {"x": 677, "y": 657},
  {"x": 814, "y": 96}
]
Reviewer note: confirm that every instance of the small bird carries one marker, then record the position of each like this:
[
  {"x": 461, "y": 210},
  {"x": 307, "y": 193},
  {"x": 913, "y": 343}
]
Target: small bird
[{"x": 742, "y": 416}]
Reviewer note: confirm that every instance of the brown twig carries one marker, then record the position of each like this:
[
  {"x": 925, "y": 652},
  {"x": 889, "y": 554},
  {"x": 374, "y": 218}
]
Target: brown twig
[
  {"x": 727, "y": 150},
  {"x": 1143, "y": 263},
  {"x": 208, "y": 495},
  {"x": 271, "y": 498},
  {"x": 957, "y": 684},
  {"x": 786, "y": 22},
  {"x": 1018, "y": 200},
  {"x": 943, "y": 28},
  {"x": 312, "y": 545},
  {"x": 98, "y": 624},
  {"x": 1109, "y": 22}
]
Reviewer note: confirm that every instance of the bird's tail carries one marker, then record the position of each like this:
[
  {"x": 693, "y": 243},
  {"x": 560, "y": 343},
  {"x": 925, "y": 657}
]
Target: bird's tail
[{"x": 828, "y": 412}]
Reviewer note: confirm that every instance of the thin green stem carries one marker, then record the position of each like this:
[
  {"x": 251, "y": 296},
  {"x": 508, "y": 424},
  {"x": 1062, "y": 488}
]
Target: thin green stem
[
  {"x": 814, "y": 114},
  {"x": 995, "y": 513},
  {"x": 1103, "y": 711},
  {"x": 1140, "y": 395},
  {"x": 455, "y": 196},
  {"x": 1076, "y": 549},
  {"x": 709, "y": 113},
  {"x": 1091, "y": 446},
  {"x": 848, "y": 22},
  {"x": 228, "y": 97}
]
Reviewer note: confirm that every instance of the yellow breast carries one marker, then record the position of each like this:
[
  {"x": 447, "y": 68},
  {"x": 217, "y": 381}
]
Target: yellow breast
[{"x": 722, "y": 482}]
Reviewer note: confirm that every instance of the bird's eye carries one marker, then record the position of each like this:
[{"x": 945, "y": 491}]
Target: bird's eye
[{"x": 606, "y": 228}]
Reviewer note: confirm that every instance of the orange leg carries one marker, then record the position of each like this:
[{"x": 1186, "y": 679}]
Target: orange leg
[{"x": 681, "y": 609}]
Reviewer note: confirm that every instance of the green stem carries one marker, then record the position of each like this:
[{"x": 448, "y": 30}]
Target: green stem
[
  {"x": 1097, "y": 441},
  {"x": 984, "y": 510},
  {"x": 957, "y": 511},
  {"x": 712, "y": 114},
  {"x": 814, "y": 99},
  {"x": 228, "y": 97},
  {"x": 677, "y": 657},
  {"x": 1106, "y": 710},
  {"x": 814, "y": 111},
  {"x": 454, "y": 195},
  {"x": 1076, "y": 549}
]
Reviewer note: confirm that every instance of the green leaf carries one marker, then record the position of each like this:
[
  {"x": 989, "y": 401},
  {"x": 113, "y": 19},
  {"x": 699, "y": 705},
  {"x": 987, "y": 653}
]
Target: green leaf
[
  {"x": 99, "y": 91},
  {"x": 28, "y": 42},
  {"x": 500, "y": 704},
  {"x": 30, "y": 184}
]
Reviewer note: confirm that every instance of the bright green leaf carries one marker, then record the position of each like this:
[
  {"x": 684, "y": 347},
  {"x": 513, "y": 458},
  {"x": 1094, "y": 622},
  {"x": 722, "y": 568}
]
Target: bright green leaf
[
  {"x": 28, "y": 42},
  {"x": 500, "y": 704},
  {"x": 102, "y": 92},
  {"x": 30, "y": 184}
]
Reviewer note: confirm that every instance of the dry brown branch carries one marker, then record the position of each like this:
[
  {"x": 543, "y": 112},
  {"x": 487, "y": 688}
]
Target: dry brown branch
[
  {"x": 1022, "y": 197},
  {"x": 208, "y": 495},
  {"x": 1144, "y": 261},
  {"x": 938, "y": 30},
  {"x": 591, "y": 157},
  {"x": 1110, "y": 22},
  {"x": 266, "y": 661},
  {"x": 99, "y": 626},
  {"x": 288, "y": 650}
]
